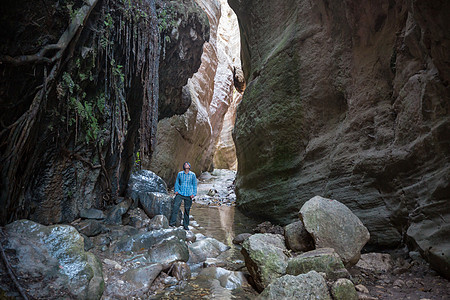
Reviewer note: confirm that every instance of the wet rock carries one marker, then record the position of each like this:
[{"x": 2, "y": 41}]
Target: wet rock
[
  {"x": 265, "y": 258},
  {"x": 146, "y": 240},
  {"x": 145, "y": 181},
  {"x": 168, "y": 251},
  {"x": 343, "y": 289},
  {"x": 155, "y": 203},
  {"x": 205, "y": 248},
  {"x": 88, "y": 245},
  {"x": 92, "y": 213},
  {"x": 297, "y": 238},
  {"x": 138, "y": 218},
  {"x": 136, "y": 281},
  {"x": 190, "y": 237},
  {"x": 375, "y": 262},
  {"x": 158, "y": 222},
  {"x": 213, "y": 262},
  {"x": 51, "y": 261},
  {"x": 320, "y": 260},
  {"x": 230, "y": 280},
  {"x": 240, "y": 238},
  {"x": 115, "y": 213},
  {"x": 301, "y": 287},
  {"x": 332, "y": 224},
  {"x": 90, "y": 227},
  {"x": 181, "y": 270},
  {"x": 267, "y": 227},
  {"x": 112, "y": 263}
]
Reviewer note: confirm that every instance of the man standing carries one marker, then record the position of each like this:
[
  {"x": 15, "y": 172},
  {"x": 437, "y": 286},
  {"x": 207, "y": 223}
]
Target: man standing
[{"x": 185, "y": 189}]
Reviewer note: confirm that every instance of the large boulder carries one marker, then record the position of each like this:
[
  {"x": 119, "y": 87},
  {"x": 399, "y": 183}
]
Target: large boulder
[
  {"x": 146, "y": 240},
  {"x": 302, "y": 287},
  {"x": 297, "y": 238},
  {"x": 230, "y": 280},
  {"x": 375, "y": 262},
  {"x": 265, "y": 258},
  {"x": 354, "y": 112},
  {"x": 323, "y": 260},
  {"x": 332, "y": 224},
  {"x": 169, "y": 251},
  {"x": 206, "y": 248},
  {"x": 51, "y": 261}
]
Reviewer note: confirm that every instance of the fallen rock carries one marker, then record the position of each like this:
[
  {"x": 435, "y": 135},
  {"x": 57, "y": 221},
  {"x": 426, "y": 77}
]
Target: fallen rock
[
  {"x": 302, "y": 287},
  {"x": 181, "y": 270},
  {"x": 145, "y": 181},
  {"x": 92, "y": 213},
  {"x": 146, "y": 240},
  {"x": 230, "y": 280},
  {"x": 115, "y": 213},
  {"x": 190, "y": 237},
  {"x": 168, "y": 251},
  {"x": 361, "y": 288},
  {"x": 375, "y": 262},
  {"x": 138, "y": 218},
  {"x": 158, "y": 222},
  {"x": 51, "y": 261},
  {"x": 343, "y": 289},
  {"x": 112, "y": 263},
  {"x": 240, "y": 238},
  {"x": 90, "y": 227},
  {"x": 332, "y": 224},
  {"x": 88, "y": 244},
  {"x": 205, "y": 248},
  {"x": 297, "y": 238},
  {"x": 155, "y": 203},
  {"x": 267, "y": 227},
  {"x": 136, "y": 281},
  {"x": 265, "y": 258},
  {"x": 320, "y": 260},
  {"x": 213, "y": 262}
]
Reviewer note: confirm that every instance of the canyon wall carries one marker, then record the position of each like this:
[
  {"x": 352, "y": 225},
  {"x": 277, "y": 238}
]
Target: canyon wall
[
  {"x": 348, "y": 100},
  {"x": 79, "y": 93},
  {"x": 193, "y": 136}
]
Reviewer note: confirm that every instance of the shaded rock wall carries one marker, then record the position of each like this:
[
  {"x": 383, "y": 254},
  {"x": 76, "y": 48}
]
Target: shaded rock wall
[
  {"x": 72, "y": 120},
  {"x": 193, "y": 136},
  {"x": 348, "y": 100}
]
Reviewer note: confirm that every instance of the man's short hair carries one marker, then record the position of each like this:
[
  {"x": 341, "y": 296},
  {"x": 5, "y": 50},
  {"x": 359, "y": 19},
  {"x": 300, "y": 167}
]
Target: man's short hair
[{"x": 186, "y": 162}]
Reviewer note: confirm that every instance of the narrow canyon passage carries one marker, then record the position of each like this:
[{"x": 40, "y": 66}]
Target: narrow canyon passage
[{"x": 319, "y": 133}]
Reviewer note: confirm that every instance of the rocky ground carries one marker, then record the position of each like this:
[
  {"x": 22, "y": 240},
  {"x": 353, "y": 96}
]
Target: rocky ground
[{"x": 142, "y": 258}]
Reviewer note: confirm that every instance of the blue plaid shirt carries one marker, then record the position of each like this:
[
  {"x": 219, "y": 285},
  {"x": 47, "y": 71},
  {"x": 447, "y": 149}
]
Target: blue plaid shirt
[{"x": 186, "y": 184}]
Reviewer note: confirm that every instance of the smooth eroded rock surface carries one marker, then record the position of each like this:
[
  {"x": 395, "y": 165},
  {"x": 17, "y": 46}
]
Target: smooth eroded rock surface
[
  {"x": 51, "y": 261},
  {"x": 350, "y": 100},
  {"x": 333, "y": 225}
]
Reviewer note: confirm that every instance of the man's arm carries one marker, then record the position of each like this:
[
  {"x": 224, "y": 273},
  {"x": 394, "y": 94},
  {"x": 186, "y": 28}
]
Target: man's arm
[
  {"x": 177, "y": 184},
  {"x": 194, "y": 184}
]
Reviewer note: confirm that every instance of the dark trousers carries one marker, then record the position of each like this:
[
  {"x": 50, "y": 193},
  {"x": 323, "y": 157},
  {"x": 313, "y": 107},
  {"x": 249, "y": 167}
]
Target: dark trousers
[{"x": 176, "y": 208}]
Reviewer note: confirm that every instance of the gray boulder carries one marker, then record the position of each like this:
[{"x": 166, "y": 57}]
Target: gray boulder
[
  {"x": 146, "y": 240},
  {"x": 158, "y": 222},
  {"x": 181, "y": 270},
  {"x": 90, "y": 227},
  {"x": 155, "y": 203},
  {"x": 375, "y": 262},
  {"x": 230, "y": 280},
  {"x": 265, "y": 258},
  {"x": 143, "y": 182},
  {"x": 297, "y": 238},
  {"x": 115, "y": 213},
  {"x": 51, "y": 261},
  {"x": 205, "y": 248},
  {"x": 240, "y": 238},
  {"x": 302, "y": 287},
  {"x": 333, "y": 225},
  {"x": 169, "y": 251},
  {"x": 324, "y": 260},
  {"x": 92, "y": 213},
  {"x": 343, "y": 289}
]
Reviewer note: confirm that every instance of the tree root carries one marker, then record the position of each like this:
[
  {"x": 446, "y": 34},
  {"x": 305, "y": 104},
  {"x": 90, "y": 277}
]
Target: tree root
[{"x": 10, "y": 271}]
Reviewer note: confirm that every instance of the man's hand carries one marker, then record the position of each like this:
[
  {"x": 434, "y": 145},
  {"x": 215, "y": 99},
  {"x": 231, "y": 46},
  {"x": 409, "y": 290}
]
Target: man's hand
[
  {"x": 192, "y": 196},
  {"x": 176, "y": 193}
]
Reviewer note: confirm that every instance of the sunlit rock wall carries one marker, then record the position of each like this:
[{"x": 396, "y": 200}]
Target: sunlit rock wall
[
  {"x": 348, "y": 100},
  {"x": 193, "y": 135}
]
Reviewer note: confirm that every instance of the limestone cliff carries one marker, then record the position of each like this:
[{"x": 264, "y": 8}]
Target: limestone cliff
[
  {"x": 193, "y": 135},
  {"x": 79, "y": 98},
  {"x": 349, "y": 100}
]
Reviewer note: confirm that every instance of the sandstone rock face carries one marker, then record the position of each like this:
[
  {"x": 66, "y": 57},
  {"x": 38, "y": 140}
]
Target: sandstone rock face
[
  {"x": 51, "y": 261},
  {"x": 349, "y": 100},
  {"x": 324, "y": 260},
  {"x": 333, "y": 225},
  {"x": 193, "y": 136},
  {"x": 301, "y": 287},
  {"x": 265, "y": 258}
]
